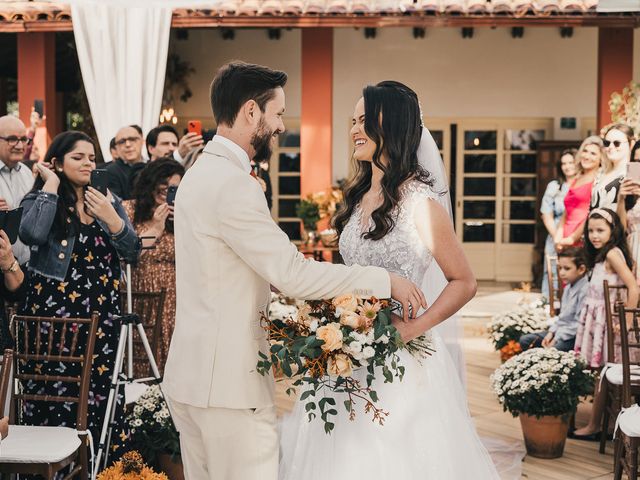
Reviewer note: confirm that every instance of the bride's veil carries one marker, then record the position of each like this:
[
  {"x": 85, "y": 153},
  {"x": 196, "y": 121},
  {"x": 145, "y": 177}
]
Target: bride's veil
[
  {"x": 507, "y": 456},
  {"x": 434, "y": 280}
]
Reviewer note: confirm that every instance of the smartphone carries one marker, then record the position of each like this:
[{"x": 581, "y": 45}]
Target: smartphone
[
  {"x": 99, "y": 180},
  {"x": 194, "y": 126},
  {"x": 171, "y": 194},
  {"x": 634, "y": 171},
  {"x": 10, "y": 223},
  {"x": 38, "y": 106}
]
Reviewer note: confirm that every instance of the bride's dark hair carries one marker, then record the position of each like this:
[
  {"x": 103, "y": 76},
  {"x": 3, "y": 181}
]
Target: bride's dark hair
[{"x": 392, "y": 121}]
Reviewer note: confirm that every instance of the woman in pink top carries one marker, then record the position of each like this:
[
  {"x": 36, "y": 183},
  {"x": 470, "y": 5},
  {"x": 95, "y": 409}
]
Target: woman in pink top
[{"x": 578, "y": 197}]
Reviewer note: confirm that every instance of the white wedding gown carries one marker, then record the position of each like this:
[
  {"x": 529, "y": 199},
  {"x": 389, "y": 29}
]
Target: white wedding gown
[{"x": 429, "y": 434}]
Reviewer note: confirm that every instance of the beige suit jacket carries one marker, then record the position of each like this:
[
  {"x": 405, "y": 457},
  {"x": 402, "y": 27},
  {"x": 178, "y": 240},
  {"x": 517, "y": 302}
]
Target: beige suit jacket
[{"x": 228, "y": 251}]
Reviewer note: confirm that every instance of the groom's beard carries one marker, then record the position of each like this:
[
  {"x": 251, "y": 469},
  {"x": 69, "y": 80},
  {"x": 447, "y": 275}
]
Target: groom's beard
[{"x": 261, "y": 142}]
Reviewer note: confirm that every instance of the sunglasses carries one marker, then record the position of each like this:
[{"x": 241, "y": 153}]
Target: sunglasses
[
  {"x": 13, "y": 140},
  {"x": 616, "y": 143}
]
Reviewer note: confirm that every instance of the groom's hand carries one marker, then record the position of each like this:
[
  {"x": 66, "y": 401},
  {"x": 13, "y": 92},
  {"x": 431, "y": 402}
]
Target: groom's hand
[{"x": 405, "y": 292}]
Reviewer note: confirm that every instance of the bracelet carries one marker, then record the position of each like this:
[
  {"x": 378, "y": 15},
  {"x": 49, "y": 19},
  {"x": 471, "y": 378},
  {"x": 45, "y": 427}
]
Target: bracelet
[{"x": 12, "y": 268}]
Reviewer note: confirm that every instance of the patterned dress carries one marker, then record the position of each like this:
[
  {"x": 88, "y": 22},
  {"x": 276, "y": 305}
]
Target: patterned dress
[
  {"x": 91, "y": 284},
  {"x": 633, "y": 236},
  {"x": 156, "y": 270},
  {"x": 591, "y": 337}
]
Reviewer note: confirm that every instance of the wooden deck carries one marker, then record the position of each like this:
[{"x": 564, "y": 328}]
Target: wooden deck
[{"x": 581, "y": 460}]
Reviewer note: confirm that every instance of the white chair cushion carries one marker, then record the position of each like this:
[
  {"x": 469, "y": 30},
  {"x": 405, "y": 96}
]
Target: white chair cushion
[
  {"x": 614, "y": 373},
  {"x": 26, "y": 444},
  {"x": 629, "y": 421}
]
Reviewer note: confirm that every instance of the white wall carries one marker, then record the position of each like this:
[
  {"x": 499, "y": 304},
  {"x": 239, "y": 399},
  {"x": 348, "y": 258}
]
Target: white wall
[
  {"x": 490, "y": 75},
  {"x": 207, "y": 51}
]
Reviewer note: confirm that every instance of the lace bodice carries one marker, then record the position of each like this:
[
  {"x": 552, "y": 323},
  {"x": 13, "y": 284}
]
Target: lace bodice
[{"x": 401, "y": 251}]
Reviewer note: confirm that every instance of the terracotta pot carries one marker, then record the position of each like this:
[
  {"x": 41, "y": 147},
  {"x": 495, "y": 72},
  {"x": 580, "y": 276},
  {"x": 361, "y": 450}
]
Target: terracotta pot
[
  {"x": 173, "y": 469},
  {"x": 544, "y": 437}
]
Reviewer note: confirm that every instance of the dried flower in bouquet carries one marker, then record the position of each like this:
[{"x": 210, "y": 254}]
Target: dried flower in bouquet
[{"x": 326, "y": 342}]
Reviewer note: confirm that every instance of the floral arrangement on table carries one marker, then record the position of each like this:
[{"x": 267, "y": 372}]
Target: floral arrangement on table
[
  {"x": 152, "y": 430},
  {"x": 625, "y": 106},
  {"x": 130, "y": 467},
  {"x": 328, "y": 201},
  {"x": 318, "y": 206},
  {"x": 542, "y": 381},
  {"x": 505, "y": 329},
  {"x": 326, "y": 341}
]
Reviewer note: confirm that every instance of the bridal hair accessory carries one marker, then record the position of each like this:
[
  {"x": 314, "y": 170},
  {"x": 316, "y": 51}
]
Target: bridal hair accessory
[{"x": 603, "y": 213}]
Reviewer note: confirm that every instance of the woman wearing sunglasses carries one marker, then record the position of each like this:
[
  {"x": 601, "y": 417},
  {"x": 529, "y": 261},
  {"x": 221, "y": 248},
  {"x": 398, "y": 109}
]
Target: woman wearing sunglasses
[{"x": 617, "y": 142}]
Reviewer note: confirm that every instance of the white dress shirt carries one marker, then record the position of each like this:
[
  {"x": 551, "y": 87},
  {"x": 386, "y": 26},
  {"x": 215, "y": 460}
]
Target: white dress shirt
[
  {"x": 15, "y": 183},
  {"x": 235, "y": 148}
]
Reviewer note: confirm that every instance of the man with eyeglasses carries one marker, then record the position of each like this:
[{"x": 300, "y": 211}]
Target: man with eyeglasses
[
  {"x": 16, "y": 179},
  {"x": 123, "y": 171}
]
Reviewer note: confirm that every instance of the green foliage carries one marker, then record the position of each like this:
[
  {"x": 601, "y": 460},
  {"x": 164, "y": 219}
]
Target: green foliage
[
  {"x": 152, "y": 429},
  {"x": 309, "y": 212},
  {"x": 371, "y": 344}
]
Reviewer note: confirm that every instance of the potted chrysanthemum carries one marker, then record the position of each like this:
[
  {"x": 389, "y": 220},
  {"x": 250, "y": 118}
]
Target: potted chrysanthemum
[
  {"x": 543, "y": 387},
  {"x": 153, "y": 433},
  {"x": 505, "y": 329}
]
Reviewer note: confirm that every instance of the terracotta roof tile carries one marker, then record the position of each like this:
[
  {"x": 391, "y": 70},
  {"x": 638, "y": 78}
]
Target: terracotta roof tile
[{"x": 50, "y": 11}]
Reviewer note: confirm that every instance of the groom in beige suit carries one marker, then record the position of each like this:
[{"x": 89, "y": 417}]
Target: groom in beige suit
[{"x": 228, "y": 251}]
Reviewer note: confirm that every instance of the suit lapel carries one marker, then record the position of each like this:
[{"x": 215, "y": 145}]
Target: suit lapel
[{"x": 220, "y": 150}]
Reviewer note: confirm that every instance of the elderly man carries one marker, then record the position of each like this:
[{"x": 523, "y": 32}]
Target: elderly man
[
  {"x": 124, "y": 169},
  {"x": 15, "y": 178}
]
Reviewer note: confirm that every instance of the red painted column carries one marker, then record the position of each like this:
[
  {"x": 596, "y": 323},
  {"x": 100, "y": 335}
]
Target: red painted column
[
  {"x": 317, "y": 109},
  {"x": 37, "y": 77},
  {"x": 615, "y": 67}
]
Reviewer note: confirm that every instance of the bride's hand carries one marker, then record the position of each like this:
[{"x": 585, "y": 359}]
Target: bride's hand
[
  {"x": 406, "y": 292},
  {"x": 406, "y": 329}
]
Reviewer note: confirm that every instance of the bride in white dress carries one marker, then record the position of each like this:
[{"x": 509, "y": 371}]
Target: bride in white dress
[{"x": 393, "y": 217}]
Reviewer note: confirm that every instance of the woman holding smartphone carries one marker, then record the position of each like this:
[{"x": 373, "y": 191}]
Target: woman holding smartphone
[
  {"x": 151, "y": 211},
  {"x": 629, "y": 206},
  {"x": 77, "y": 237}
]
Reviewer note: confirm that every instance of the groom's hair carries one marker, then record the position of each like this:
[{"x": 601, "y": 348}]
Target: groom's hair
[{"x": 236, "y": 83}]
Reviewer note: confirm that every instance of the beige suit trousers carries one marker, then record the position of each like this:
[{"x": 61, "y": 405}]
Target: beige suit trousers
[{"x": 227, "y": 444}]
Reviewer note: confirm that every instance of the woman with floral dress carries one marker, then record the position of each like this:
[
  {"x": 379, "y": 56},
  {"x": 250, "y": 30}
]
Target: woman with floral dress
[
  {"x": 152, "y": 218},
  {"x": 77, "y": 237}
]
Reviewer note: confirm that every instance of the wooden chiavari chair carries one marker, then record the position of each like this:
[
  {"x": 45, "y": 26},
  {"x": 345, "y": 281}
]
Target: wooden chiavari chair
[
  {"x": 41, "y": 342},
  {"x": 5, "y": 378},
  {"x": 628, "y": 425},
  {"x": 555, "y": 292},
  {"x": 611, "y": 381}
]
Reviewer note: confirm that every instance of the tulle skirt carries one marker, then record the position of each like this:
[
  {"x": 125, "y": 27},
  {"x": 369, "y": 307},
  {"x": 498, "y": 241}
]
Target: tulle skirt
[{"x": 428, "y": 434}]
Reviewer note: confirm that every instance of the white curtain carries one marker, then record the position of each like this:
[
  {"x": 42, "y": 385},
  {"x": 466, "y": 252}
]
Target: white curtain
[{"x": 122, "y": 48}]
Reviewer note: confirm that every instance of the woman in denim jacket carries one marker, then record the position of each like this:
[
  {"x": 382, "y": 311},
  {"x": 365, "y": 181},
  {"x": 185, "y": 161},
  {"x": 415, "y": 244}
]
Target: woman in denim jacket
[{"x": 77, "y": 237}]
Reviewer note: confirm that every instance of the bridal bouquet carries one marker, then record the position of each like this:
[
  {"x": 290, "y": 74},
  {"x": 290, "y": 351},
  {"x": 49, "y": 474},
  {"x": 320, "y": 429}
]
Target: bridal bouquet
[{"x": 326, "y": 341}]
